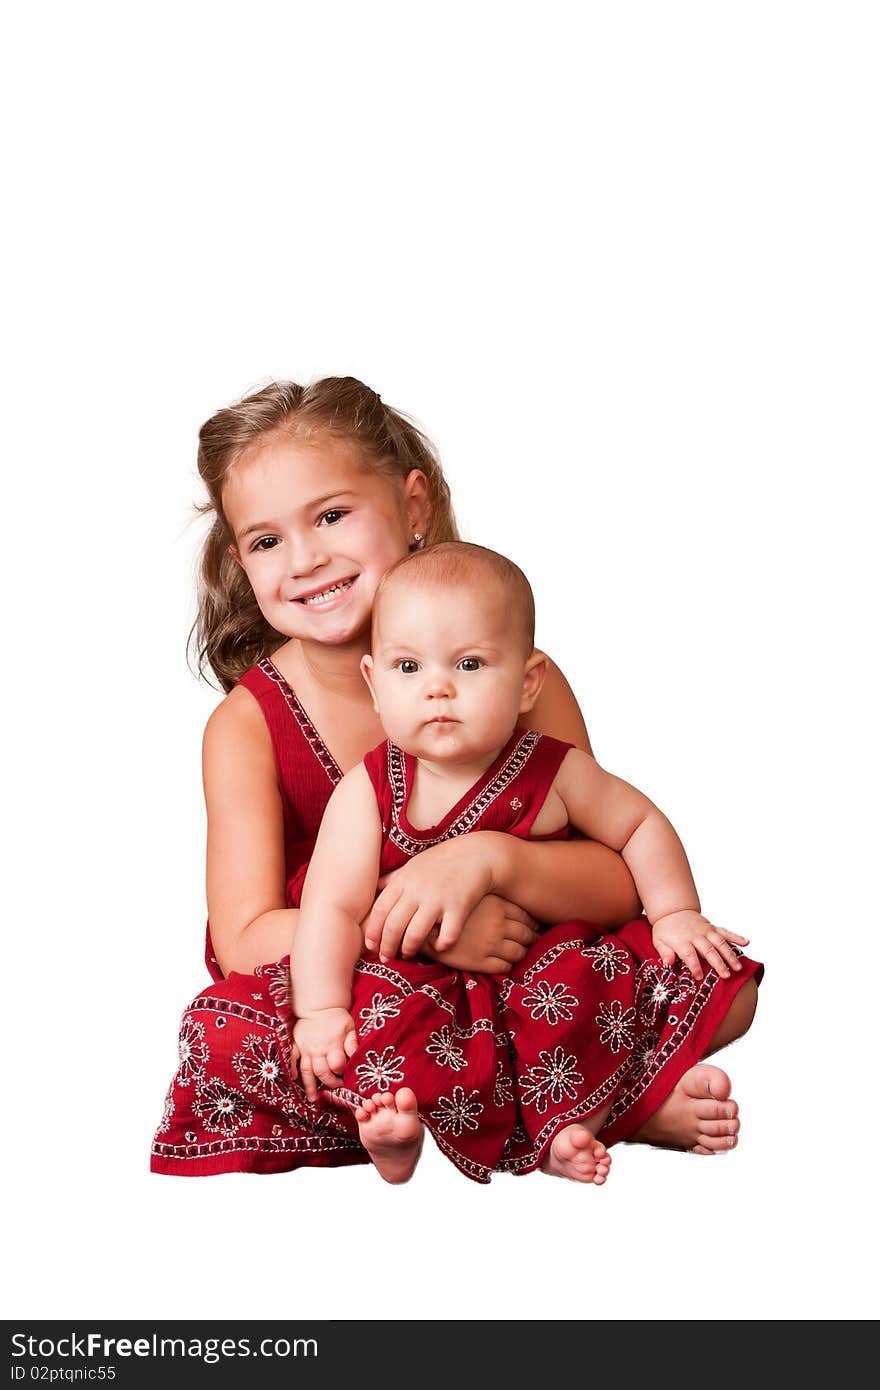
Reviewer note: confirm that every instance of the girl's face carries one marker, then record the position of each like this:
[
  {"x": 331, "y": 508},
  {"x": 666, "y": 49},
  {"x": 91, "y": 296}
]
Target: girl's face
[{"x": 315, "y": 530}]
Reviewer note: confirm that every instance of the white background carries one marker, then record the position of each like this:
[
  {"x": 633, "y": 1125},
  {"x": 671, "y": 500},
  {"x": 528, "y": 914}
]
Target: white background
[{"x": 621, "y": 263}]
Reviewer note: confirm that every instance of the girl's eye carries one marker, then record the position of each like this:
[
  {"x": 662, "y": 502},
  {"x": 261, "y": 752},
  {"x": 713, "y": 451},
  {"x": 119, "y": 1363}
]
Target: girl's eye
[
  {"x": 265, "y": 543},
  {"x": 330, "y": 518},
  {"x": 470, "y": 663},
  {"x": 408, "y": 668}
]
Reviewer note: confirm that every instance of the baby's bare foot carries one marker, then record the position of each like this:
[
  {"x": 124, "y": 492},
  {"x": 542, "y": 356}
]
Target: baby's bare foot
[
  {"x": 392, "y": 1133},
  {"x": 577, "y": 1155},
  {"x": 698, "y": 1115}
]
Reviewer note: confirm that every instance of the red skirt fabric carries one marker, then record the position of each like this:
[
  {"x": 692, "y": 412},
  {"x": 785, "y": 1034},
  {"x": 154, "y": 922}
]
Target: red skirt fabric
[{"x": 499, "y": 1063}]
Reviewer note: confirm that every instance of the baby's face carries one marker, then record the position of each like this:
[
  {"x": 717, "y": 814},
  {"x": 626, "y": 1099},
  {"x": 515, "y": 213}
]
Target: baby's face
[{"x": 448, "y": 670}]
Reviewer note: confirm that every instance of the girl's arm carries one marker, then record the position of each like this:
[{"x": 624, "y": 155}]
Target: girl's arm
[
  {"x": 607, "y": 808},
  {"x": 250, "y": 923}
]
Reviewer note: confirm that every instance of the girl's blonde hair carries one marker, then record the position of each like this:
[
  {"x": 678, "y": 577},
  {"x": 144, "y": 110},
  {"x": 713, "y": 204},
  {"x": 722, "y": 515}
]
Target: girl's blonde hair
[{"x": 230, "y": 633}]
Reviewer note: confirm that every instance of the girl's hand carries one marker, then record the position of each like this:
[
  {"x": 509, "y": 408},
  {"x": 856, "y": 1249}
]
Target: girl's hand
[
  {"x": 442, "y": 885},
  {"x": 324, "y": 1041},
  {"x": 495, "y": 937},
  {"x": 689, "y": 935}
]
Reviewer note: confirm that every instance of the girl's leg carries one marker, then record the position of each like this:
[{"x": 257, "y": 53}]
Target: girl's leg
[{"x": 699, "y": 1114}]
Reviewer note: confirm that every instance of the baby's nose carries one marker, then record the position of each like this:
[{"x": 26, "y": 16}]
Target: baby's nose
[{"x": 439, "y": 687}]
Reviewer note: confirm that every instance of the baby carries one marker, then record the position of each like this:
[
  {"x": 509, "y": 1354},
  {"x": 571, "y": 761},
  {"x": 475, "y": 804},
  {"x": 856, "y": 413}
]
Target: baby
[{"x": 452, "y": 671}]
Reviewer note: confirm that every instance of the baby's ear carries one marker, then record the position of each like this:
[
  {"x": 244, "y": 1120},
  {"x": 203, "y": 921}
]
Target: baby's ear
[
  {"x": 533, "y": 680},
  {"x": 367, "y": 673}
]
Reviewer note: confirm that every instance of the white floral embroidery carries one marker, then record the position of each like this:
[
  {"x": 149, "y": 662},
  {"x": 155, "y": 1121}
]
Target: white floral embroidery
[
  {"x": 220, "y": 1108},
  {"x": 442, "y": 1047},
  {"x": 551, "y": 1002},
  {"x": 261, "y": 1069},
  {"x": 659, "y": 987},
  {"x": 457, "y": 1112},
  {"x": 380, "y": 1008},
  {"x": 644, "y": 1054},
  {"x": 608, "y": 958},
  {"x": 192, "y": 1051},
  {"x": 615, "y": 1025},
  {"x": 554, "y": 1078},
  {"x": 380, "y": 1069}
]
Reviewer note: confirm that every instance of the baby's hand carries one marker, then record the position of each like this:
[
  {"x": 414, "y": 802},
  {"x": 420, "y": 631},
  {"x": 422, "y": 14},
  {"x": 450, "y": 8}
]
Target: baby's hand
[
  {"x": 325, "y": 1040},
  {"x": 690, "y": 935}
]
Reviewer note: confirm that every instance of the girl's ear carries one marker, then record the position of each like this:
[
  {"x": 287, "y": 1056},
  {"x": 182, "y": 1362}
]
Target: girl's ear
[
  {"x": 417, "y": 502},
  {"x": 533, "y": 680},
  {"x": 235, "y": 555},
  {"x": 366, "y": 672}
]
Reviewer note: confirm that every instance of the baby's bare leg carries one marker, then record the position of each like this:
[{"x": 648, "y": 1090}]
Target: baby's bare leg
[
  {"x": 392, "y": 1133},
  {"x": 577, "y": 1154}
]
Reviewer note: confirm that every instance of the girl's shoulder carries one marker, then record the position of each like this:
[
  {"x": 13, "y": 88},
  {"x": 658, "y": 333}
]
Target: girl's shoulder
[
  {"x": 237, "y": 727},
  {"x": 556, "y": 711}
]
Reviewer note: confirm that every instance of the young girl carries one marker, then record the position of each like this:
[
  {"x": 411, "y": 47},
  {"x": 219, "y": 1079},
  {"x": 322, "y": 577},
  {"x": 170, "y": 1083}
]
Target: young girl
[
  {"x": 453, "y": 667},
  {"x": 315, "y": 492}
]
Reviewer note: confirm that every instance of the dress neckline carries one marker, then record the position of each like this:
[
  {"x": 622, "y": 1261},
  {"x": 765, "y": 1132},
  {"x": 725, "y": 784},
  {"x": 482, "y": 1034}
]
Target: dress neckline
[
  {"x": 461, "y": 806},
  {"x": 306, "y": 724}
]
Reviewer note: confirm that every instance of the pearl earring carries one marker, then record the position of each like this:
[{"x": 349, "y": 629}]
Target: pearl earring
[{"x": 418, "y": 540}]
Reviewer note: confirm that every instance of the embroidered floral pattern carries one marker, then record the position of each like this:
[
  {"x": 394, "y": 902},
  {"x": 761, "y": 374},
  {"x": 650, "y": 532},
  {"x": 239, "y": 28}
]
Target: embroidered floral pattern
[
  {"x": 380, "y": 1070},
  {"x": 220, "y": 1108},
  {"x": 457, "y": 1112},
  {"x": 554, "y": 1078},
  {"x": 616, "y": 1025},
  {"x": 442, "y": 1047},
  {"x": 659, "y": 987},
  {"x": 550, "y": 1002},
  {"x": 607, "y": 958},
  {"x": 192, "y": 1051},
  {"x": 380, "y": 1008},
  {"x": 261, "y": 1069},
  {"x": 644, "y": 1055}
]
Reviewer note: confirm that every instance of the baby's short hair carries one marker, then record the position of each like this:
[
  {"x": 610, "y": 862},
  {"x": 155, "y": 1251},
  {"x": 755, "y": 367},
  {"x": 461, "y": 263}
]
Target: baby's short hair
[{"x": 459, "y": 563}]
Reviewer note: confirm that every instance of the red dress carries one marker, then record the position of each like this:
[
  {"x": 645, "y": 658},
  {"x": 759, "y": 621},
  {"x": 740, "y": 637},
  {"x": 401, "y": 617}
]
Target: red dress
[{"x": 499, "y": 1064}]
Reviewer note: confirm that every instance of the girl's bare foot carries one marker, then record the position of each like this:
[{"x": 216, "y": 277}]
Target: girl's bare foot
[
  {"x": 698, "y": 1115},
  {"x": 577, "y": 1155},
  {"x": 392, "y": 1133}
]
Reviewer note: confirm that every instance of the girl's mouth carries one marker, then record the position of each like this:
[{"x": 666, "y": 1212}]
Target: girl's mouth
[{"x": 326, "y": 595}]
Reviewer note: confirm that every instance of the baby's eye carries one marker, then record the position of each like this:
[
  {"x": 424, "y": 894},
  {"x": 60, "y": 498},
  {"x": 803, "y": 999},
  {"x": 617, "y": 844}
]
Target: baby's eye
[
  {"x": 470, "y": 663},
  {"x": 407, "y": 667},
  {"x": 330, "y": 518},
  {"x": 265, "y": 543}
]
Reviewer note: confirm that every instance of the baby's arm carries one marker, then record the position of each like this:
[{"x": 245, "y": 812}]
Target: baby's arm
[
  {"x": 338, "y": 893},
  {"x": 609, "y": 809}
]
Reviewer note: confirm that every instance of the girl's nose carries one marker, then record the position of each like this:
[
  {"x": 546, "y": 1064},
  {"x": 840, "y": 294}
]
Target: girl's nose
[{"x": 306, "y": 554}]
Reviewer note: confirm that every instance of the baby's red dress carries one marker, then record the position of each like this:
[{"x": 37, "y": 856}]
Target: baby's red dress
[{"x": 499, "y": 1063}]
